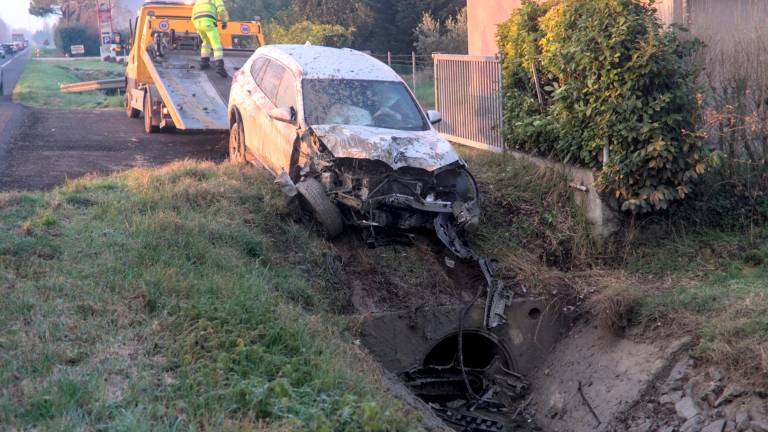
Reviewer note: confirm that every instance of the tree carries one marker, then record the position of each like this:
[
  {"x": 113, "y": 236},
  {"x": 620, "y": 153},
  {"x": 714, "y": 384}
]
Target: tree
[
  {"x": 306, "y": 31},
  {"x": 346, "y": 13},
  {"x": 246, "y": 10},
  {"x": 450, "y": 37},
  {"x": 409, "y": 14},
  {"x": 69, "y": 10}
]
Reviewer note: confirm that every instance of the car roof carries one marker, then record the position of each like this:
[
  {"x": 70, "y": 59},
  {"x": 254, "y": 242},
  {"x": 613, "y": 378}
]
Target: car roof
[{"x": 319, "y": 62}]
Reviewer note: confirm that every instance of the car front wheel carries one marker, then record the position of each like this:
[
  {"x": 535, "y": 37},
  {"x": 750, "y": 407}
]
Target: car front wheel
[
  {"x": 237, "y": 144},
  {"x": 325, "y": 212}
]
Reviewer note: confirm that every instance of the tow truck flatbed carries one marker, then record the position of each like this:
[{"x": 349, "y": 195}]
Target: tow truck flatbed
[
  {"x": 163, "y": 79},
  {"x": 197, "y": 100}
]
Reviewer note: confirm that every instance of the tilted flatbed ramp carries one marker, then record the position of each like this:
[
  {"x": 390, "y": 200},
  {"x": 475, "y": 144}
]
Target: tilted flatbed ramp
[{"x": 196, "y": 100}]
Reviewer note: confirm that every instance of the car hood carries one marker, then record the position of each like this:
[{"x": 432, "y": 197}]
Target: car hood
[{"x": 420, "y": 149}]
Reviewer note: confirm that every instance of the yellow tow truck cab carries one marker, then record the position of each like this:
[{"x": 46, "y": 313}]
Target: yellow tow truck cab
[{"x": 163, "y": 79}]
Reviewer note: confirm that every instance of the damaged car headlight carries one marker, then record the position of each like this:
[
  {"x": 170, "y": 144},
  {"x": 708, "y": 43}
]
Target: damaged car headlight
[{"x": 458, "y": 186}]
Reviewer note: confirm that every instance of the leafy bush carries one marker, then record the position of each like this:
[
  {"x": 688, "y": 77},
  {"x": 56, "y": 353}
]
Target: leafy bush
[
  {"x": 314, "y": 33},
  {"x": 609, "y": 76}
]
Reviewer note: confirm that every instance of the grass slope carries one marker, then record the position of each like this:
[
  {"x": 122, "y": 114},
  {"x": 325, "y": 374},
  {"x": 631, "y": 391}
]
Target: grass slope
[
  {"x": 178, "y": 298},
  {"x": 39, "y": 84}
]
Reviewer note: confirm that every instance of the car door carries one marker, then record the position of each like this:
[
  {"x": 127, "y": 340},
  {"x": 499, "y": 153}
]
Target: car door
[
  {"x": 246, "y": 98},
  {"x": 285, "y": 133},
  {"x": 272, "y": 140}
]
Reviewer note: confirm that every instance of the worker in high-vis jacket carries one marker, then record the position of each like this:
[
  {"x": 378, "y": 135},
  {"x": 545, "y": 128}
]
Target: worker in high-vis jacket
[{"x": 205, "y": 15}]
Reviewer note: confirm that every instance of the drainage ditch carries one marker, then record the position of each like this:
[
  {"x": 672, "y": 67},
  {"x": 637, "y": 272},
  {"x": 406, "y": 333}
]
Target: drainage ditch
[{"x": 480, "y": 388}]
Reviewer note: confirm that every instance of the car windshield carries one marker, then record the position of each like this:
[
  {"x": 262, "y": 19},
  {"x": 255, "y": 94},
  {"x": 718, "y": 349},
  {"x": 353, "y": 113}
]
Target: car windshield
[{"x": 384, "y": 104}]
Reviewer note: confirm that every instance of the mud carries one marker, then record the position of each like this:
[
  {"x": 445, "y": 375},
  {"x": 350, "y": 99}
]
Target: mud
[
  {"x": 575, "y": 376},
  {"x": 50, "y": 146}
]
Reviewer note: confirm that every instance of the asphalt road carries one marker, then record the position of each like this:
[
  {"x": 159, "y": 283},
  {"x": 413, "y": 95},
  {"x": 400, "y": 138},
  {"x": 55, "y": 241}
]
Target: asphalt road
[
  {"x": 41, "y": 148},
  {"x": 10, "y": 113}
]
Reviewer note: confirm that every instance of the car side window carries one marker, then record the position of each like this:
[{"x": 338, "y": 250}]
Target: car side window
[
  {"x": 257, "y": 68},
  {"x": 286, "y": 95},
  {"x": 270, "y": 81}
]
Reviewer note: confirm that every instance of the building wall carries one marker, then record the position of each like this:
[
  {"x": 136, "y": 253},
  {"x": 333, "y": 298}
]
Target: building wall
[{"x": 482, "y": 17}]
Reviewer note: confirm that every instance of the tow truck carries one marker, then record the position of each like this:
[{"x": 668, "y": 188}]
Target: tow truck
[{"x": 163, "y": 79}]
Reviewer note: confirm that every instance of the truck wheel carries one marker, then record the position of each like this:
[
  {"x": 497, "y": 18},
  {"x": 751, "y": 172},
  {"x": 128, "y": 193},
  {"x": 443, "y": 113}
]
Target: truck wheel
[
  {"x": 130, "y": 111},
  {"x": 325, "y": 212},
  {"x": 237, "y": 144},
  {"x": 149, "y": 127}
]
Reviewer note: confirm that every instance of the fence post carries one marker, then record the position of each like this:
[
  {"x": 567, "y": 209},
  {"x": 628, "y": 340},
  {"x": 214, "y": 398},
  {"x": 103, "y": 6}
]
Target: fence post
[
  {"x": 436, "y": 77},
  {"x": 389, "y": 58},
  {"x": 413, "y": 61}
]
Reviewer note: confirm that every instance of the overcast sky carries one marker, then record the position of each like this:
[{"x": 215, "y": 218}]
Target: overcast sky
[{"x": 15, "y": 13}]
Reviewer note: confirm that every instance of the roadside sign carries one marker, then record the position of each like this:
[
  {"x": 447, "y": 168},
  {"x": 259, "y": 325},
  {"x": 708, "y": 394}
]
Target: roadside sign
[
  {"x": 104, "y": 19},
  {"x": 77, "y": 49}
]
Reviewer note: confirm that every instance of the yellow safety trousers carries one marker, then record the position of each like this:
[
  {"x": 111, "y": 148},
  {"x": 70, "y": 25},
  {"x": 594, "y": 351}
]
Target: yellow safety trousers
[{"x": 211, "y": 40}]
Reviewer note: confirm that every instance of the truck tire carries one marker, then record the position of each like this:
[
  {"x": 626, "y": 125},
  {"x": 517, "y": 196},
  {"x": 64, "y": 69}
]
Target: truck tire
[
  {"x": 130, "y": 111},
  {"x": 326, "y": 213},
  {"x": 149, "y": 127},
  {"x": 237, "y": 143}
]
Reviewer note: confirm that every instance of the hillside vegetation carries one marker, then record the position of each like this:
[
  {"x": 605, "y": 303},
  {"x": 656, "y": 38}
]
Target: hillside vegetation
[{"x": 176, "y": 298}]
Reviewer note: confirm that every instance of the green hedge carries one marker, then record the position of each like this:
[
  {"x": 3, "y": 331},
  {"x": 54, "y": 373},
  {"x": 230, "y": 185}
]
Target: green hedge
[{"x": 610, "y": 74}]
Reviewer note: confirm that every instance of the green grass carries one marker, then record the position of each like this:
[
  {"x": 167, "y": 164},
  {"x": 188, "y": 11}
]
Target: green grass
[
  {"x": 46, "y": 52},
  {"x": 715, "y": 287},
  {"x": 425, "y": 93},
  {"x": 530, "y": 223},
  {"x": 39, "y": 84},
  {"x": 182, "y": 298},
  {"x": 425, "y": 88}
]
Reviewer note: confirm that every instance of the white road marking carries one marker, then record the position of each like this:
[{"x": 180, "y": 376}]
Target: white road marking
[{"x": 2, "y": 66}]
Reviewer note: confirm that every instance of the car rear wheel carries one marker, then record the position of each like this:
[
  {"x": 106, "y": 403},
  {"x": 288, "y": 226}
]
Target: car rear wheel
[
  {"x": 237, "y": 144},
  {"x": 149, "y": 126},
  {"x": 324, "y": 211}
]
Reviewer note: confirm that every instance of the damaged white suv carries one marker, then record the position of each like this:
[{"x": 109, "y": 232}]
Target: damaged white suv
[{"x": 343, "y": 131}]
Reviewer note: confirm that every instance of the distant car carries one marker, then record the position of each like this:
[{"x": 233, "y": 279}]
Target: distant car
[
  {"x": 342, "y": 130},
  {"x": 2, "y": 52},
  {"x": 8, "y": 48}
]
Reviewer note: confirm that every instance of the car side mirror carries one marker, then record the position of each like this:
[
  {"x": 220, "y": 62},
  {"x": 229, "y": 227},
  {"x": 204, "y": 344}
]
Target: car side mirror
[
  {"x": 286, "y": 115},
  {"x": 434, "y": 117}
]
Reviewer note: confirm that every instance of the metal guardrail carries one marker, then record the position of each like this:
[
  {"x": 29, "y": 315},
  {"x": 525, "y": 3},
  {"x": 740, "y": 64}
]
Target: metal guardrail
[
  {"x": 468, "y": 95},
  {"x": 88, "y": 86}
]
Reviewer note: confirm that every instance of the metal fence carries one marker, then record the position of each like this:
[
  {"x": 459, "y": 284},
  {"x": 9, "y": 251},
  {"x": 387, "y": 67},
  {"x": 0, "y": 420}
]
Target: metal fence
[{"x": 468, "y": 95}]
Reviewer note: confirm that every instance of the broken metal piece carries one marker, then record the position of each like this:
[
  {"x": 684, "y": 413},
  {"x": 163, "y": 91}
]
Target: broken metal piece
[
  {"x": 498, "y": 297},
  {"x": 468, "y": 423}
]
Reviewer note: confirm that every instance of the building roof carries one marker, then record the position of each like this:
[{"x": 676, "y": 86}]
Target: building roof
[{"x": 319, "y": 62}]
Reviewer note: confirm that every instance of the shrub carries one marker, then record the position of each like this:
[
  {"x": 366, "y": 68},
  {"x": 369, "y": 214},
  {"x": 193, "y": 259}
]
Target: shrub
[
  {"x": 77, "y": 34},
  {"x": 314, "y": 33},
  {"x": 609, "y": 76}
]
